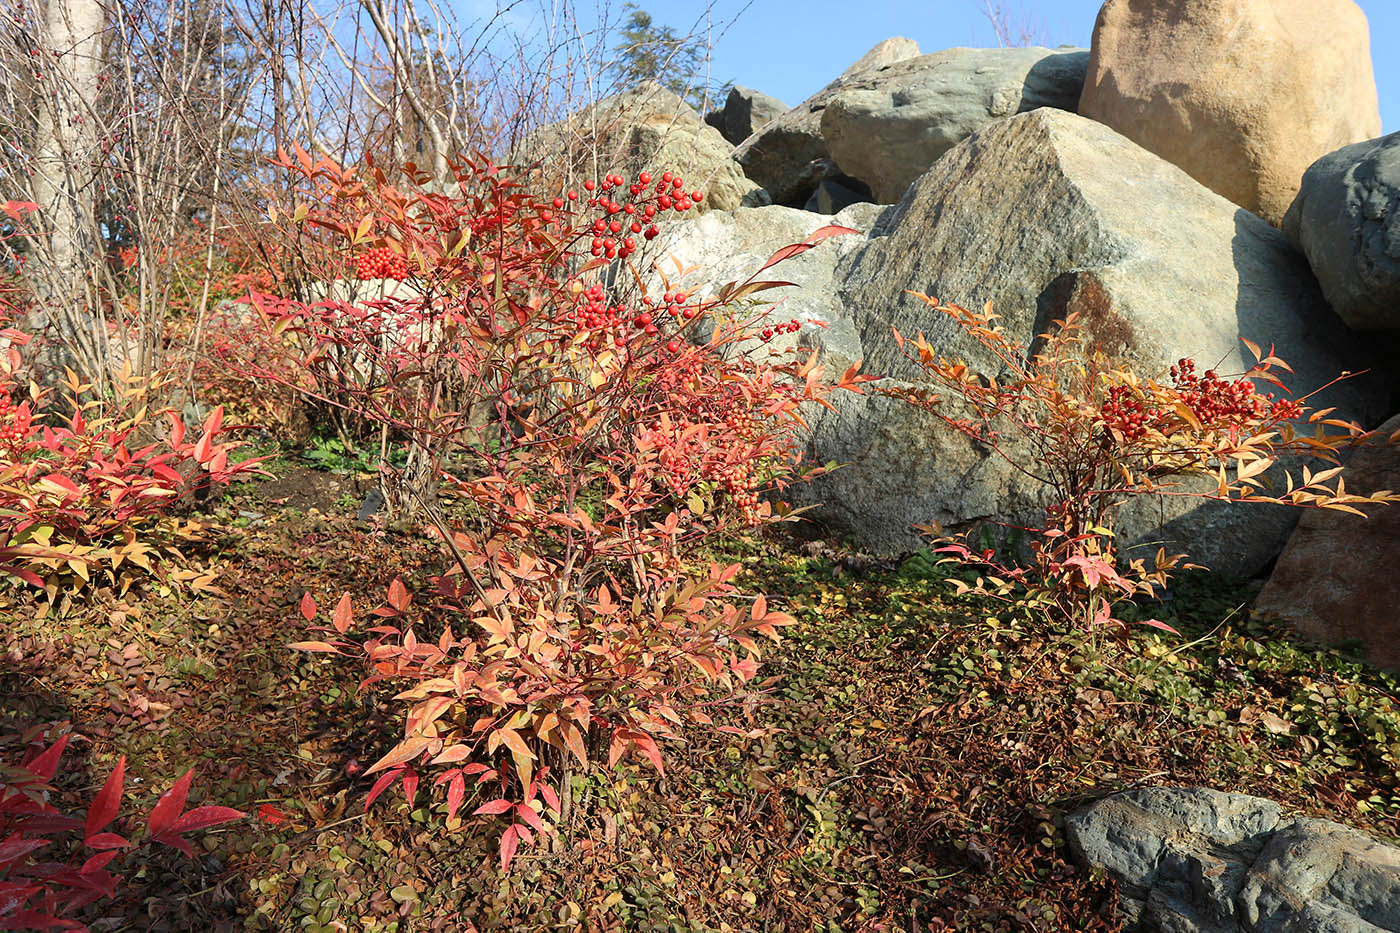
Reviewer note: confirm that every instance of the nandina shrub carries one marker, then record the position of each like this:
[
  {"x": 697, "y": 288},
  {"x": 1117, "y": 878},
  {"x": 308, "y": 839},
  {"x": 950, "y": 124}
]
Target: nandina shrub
[
  {"x": 84, "y": 493},
  {"x": 1099, "y": 434},
  {"x": 45, "y": 882},
  {"x": 217, "y": 352},
  {"x": 595, "y": 449}
]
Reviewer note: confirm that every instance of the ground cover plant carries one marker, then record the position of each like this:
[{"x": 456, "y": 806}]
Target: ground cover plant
[
  {"x": 902, "y": 730},
  {"x": 484, "y": 631}
]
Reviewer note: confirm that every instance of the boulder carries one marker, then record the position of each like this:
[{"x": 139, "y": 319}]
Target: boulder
[
  {"x": 886, "y": 128},
  {"x": 1195, "y": 860},
  {"x": 833, "y": 196},
  {"x": 744, "y": 112},
  {"x": 649, "y": 128},
  {"x": 779, "y": 155},
  {"x": 1242, "y": 94},
  {"x": 730, "y": 246},
  {"x": 1044, "y": 213},
  {"x": 1326, "y": 584},
  {"x": 1346, "y": 220}
]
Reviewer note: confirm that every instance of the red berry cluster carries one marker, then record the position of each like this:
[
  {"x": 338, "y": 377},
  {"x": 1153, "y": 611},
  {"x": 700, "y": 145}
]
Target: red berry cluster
[
  {"x": 1126, "y": 414},
  {"x": 1214, "y": 400},
  {"x": 614, "y": 236},
  {"x": 677, "y": 450},
  {"x": 739, "y": 485},
  {"x": 381, "y": 263},
  {"x": 15, "y": 428},
  {"x": 787, "y": 327}
]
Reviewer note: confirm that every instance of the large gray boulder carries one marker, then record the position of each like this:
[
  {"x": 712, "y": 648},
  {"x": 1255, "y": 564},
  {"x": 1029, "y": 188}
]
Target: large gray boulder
[
  {"x": 648, "y": 127},
  {"x": 1346, "y": 220},
  {"x": 730, "y": 246},
  {"x": 886, "y": 128},
  {"x": 787, "y": 156},
  {"x": 1045, "y": 213},
  {"x": 744, "y": 112},
  {"x": 1195, "y": 860}
]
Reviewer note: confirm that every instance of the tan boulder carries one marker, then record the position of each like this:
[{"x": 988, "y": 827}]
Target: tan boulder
[
  {"x": 1335, "y": 580},
  {"x": 1242, "y": 94},
  {"x": 647, "y": 127}
]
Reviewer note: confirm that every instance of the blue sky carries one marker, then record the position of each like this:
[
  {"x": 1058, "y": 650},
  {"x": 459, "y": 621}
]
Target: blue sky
[{"x": 790, "y": 49}]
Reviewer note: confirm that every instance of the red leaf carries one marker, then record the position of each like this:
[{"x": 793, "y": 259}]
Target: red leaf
[
  {"x": 105, "y": 806},
  {"x": 550, "y": 797},
  {"x": 509, "y": 843},
  {"x": 1158, "y": 623},
  {"x": 98, "y": 862},
  {"x": 456, "y": 791},
  {"x": 528, "y": 814},
  {"x": 46, "y": 764},
  {"x": 385, "y": 779},
  {"x": 270, "y": 814},
  {"x": 175, "y": 842},
  {"x": 308, "y": 607},
  {"x": 214, "y": 422},
  {"x": 106, "y": 841},
  {"x": 168, "y": 807},
  {"x": 493, "y": 808},
  {"x": 410, "y": 785},
  {"x": 15, "y": 848},
  {"x": 206, "y": 818}
]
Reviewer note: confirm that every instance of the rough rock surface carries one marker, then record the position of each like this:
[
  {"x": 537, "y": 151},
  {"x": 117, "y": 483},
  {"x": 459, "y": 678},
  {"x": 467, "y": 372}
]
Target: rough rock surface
[
  {"x": 779, "y": 156},
  {"x": 730, "y": 246},
  {"x": 1346, "y": 220},
  {"x": 886, "y": 128},
  {"x": 1242, "y": 94},
  {"x": 1195, "y": 860},
  {"x": 1326, "y": 584},
  {"x": 744, "y": 112},
  {"x": 646, "y": 128},
  {"x": 832, "y": 196},
  {"x": 1042, "y": 213}
]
